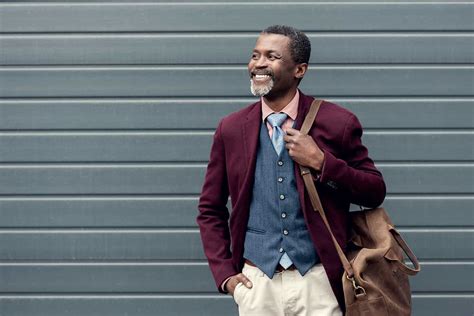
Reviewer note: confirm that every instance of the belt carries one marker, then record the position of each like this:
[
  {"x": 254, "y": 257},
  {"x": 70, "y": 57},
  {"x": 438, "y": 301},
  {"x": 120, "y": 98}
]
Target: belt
[{"x": 278, "y": 268}]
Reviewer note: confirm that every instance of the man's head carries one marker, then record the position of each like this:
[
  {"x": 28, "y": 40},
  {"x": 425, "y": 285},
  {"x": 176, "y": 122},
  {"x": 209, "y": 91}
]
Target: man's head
[{"x": 279, "y": 61}]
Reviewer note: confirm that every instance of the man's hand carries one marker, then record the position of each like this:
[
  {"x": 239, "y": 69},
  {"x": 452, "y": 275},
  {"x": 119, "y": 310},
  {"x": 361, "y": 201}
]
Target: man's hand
[
  {"x": 303, "y": 149},
  {"x": 236, "y": 279}
]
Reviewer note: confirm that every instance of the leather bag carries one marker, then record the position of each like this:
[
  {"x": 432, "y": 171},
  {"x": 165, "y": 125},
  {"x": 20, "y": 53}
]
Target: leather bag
[{"x": 375, "y": 279}]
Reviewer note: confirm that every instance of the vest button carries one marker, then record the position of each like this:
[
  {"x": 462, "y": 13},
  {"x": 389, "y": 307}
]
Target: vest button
[
  {"x": 282, "y": 197},
  {"x": 285, "y": 232},
  {"x": 283, "y": 215},
  {"x": 280, "y": 179},
  {"x": 280, "y": 163},
  {"x": 280, "y": 250}
]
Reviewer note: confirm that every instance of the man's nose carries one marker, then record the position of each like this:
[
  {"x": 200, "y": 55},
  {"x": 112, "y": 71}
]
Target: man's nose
[{"x": 261, "y": 62}]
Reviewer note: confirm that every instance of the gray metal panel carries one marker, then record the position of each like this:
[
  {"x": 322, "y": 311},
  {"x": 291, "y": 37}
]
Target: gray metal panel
[
  {"x": 102, "y": 179},
  {"x": 204, "y": 113},
  {"x": 430, "y": 211},
  {"x": 115, "y": 146},
  {"x": 152, "y": 244},
  {"x": 106, "y": 277},
  {"x": 161, "y": 178},
  {"x": 180, "y": 212},
  {"x": 101, "y": 244},
  {"x": 432, "y": 304},
  {"x": 217, "y": 1},
  {"x": 451, "y": 244},
  {"x": 182, "y": 305},
  {"x": 110, "y": 49},
  {"x": 230, "y": 81},
  {"x": 116, "y": 211},
  {"x": 192, "y": 146},
  {"x": 120, "y": 305},
  {"x": 215, "y": 16},
  {"x": 429, "y": 178},
  {"x": 405, "y": 113},
  {"x": 134, "y": 277}
]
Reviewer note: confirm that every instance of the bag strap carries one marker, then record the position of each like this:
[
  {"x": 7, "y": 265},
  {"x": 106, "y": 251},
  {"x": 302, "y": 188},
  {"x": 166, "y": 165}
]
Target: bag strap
[
  {"x": 408, "y": 252},
  {"x": 313, "y": 193},
  {"x": 317, "y": 206},
  {"x": 311, "y": 116}
]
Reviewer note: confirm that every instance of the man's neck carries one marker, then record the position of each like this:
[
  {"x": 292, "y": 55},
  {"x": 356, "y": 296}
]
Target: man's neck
[{"x": 277, "y": 103}]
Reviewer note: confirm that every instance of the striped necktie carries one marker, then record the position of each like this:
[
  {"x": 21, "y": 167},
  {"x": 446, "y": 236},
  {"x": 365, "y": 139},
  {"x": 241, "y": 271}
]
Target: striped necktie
[{"x": 276, "y": 120}]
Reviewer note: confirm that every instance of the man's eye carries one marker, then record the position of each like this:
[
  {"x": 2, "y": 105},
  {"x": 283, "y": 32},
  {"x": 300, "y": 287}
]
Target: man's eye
[{"x": 254, "y": 56}]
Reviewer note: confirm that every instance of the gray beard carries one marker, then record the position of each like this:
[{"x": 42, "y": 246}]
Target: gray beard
[{"x": 261, "y": 90}]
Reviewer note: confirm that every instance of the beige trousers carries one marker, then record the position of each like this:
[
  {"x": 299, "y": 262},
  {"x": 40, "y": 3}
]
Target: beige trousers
[{"x": 287, "y": 294}]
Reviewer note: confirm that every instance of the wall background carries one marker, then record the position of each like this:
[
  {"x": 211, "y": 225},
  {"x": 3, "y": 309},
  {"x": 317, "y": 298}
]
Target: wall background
[{"x": 107, "y": 111}]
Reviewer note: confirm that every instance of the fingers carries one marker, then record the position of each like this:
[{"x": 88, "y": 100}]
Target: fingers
[
  {"x": 291, "y": 140},
  {"x": 243, "y": 279},
  {"x": 236, "y": 279},
  {"x": 291, "y": 135},
  {"x": 292, "y": 131}
]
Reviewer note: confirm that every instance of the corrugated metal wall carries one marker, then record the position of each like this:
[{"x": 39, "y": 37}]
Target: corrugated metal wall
[{"x": 107, "y": 111}]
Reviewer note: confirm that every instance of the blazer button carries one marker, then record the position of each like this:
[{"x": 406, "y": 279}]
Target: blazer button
[
  {"x": 332, "y": 184},
  {"x": 280, "y": 163},
  {"x": 285, "y": 232},
  {"x": 282, "y": 197}
]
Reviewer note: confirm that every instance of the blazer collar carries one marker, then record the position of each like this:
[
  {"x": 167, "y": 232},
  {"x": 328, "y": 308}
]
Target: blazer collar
[{"x": 303, "y": 108}]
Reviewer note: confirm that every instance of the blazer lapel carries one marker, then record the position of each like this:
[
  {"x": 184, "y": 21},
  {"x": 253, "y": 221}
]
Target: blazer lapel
[
  {"x": 303, "y": 108},
  {"x": 250, "y": 133}
]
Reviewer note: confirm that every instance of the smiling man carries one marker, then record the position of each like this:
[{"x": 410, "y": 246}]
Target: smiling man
[{"x": 273, "y": 253}]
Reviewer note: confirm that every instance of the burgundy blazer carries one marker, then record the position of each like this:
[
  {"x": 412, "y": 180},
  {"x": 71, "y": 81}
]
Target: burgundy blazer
[{"x": 348, "y": 176}]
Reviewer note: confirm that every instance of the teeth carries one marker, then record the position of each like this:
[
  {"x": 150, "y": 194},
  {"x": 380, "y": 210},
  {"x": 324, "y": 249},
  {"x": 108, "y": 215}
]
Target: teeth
[{"x": 261, "y": 76}]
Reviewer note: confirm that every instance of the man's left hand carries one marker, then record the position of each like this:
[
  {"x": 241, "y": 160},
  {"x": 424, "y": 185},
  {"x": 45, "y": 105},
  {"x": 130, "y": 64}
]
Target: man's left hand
[{"x": 303, "y": 149}]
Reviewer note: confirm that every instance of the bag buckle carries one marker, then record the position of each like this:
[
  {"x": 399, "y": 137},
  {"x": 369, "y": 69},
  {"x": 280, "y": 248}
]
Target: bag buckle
[{"x": 358, "y": 290}]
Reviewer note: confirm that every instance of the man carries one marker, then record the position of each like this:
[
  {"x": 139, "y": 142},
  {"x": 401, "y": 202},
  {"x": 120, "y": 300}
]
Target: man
[{"x": 275, "y": 256}]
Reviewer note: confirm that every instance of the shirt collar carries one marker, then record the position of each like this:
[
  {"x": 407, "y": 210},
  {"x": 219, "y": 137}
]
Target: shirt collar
[{"x": 291, "y": 109}]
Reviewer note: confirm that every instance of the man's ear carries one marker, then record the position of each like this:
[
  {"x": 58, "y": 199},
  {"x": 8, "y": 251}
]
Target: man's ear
[{"x": 300, "y": 70}]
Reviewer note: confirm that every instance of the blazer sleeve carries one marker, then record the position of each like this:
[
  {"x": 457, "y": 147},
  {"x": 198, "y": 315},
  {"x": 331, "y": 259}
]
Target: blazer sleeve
[
  {"x": 355, "y": 170},
  {"x": 213, "y": 214}
]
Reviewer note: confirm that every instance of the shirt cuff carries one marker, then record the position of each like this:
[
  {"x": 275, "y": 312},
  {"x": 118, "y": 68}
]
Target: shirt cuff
[{"x": 223, "y": 285}]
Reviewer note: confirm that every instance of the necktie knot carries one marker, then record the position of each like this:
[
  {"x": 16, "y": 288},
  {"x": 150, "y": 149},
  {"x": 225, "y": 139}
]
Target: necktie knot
[{"x": 276, "y": 119}]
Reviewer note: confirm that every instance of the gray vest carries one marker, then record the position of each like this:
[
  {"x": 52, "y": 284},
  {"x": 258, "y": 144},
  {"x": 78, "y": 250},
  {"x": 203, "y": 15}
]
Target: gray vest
[{"x": 276, "y": 223}]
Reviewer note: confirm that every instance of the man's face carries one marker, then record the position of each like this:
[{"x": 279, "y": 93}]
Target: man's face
[{"x": 271, "y": 67}]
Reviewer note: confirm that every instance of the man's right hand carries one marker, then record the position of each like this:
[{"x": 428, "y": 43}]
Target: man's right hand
[{"x": 236, "y": 279}]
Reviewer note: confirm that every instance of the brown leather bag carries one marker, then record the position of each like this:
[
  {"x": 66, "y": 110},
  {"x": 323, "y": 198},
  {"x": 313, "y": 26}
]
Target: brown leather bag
[{"x": 375, "y": 278}]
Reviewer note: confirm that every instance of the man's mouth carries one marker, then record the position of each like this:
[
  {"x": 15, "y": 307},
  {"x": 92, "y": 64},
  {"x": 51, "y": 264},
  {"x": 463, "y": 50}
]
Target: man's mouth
[
  {"x": 261, "y": 77},
  {"x": 261, "y": 83}
]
